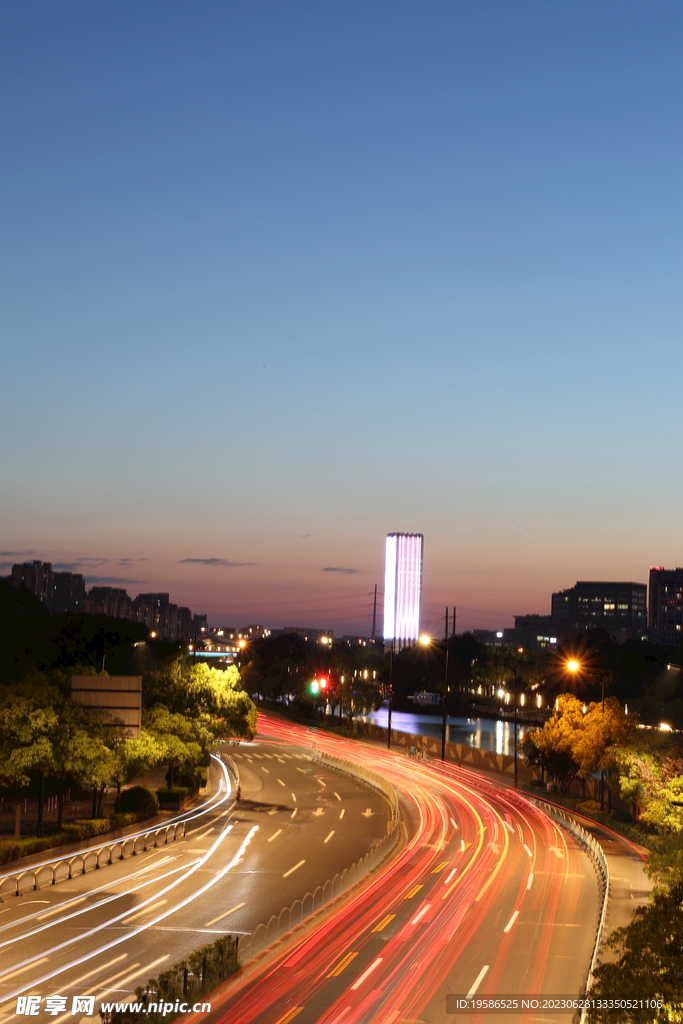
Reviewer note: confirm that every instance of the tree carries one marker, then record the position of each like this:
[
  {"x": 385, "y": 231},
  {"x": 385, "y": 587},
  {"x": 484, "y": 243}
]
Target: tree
[
  {"x": 552, "y": 747},
  {"x": 665, "y": 865},
  {"x": 649, "y": 965},
  {"x": 24, "y": 744},
  {"x": 207, "y": 694}
]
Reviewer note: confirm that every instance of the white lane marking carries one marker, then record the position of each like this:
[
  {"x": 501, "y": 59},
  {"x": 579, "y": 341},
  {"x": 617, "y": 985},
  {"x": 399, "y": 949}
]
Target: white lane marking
[
  {"x": 281, "y": 782},
  {"x": 342, "y": 812},
  {"x": 295, "y": 868},
  {"x": 508, "y": 826},
  {"x": 359, "y": 982},
  {"x": 293, "y": 797},
  {"x": 477, "y": 982},
  {"x": 275, "y": 835},
  {"x": 264, "y": 769},
  {"x": 512, "y": 920},
  {"x": 421, "y": 913},
  {"x": 454, "y": 823},
  {"x": 300, "y": 770},
  {"x": 462, "y": 845},
  {"x": 147, "y": 924},
  {"x": 528, "y": 850},
  {"x": 450, "y": 875},
  {"x": 557, "y": 851},
  {"x": 530, "y": 882},
  {"x": 293, "y": 814},
  {"x": 337, "y": 796},
  {"x": 329, "y": 837},
  {"x": 226, "y": 914}
]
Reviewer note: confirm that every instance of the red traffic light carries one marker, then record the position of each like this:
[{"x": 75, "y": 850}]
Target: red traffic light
[{"x": 323, "y": 683}]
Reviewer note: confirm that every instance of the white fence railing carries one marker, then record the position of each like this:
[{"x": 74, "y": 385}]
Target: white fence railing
[
  {"x": 88, "y": 860},
  {"x": 251, "y": 944}
]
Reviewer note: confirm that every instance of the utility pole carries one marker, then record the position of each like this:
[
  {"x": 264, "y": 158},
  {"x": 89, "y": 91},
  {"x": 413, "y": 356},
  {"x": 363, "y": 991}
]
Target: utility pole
[
  {"x": 374, "y": 615},
  {"x": 391, "y": 691},
  {"x": 454, "y": 611},
  {"x": 444, "y": 719}
]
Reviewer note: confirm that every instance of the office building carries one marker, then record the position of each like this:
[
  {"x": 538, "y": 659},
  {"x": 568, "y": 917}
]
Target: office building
[
  {"x": 403, "y": 587},
  {"x": 665, "y": 606},
  {"x": 618, "y": 608}
]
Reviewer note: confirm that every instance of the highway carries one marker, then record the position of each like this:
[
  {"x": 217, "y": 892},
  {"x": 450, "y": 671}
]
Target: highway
[
  {"x": 487, "y": 897},
  {"x": 106, "y": 932}
]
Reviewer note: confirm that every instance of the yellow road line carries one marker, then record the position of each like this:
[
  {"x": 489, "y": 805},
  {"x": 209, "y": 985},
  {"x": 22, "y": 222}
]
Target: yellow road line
[
  {"x": 440, "y": 867},
  {"x": 413, "y": 891},
  {"x": 290, "y": 1015},
  {"x": 343, "y": 963},
  {"x": 384, "y": 922}
]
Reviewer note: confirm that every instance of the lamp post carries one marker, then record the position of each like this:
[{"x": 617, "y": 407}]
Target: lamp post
[{"x": 574, "y": 666}]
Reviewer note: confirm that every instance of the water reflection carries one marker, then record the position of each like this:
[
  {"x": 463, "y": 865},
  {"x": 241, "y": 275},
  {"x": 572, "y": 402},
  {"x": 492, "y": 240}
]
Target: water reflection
[{"x": 483, "y": 733}]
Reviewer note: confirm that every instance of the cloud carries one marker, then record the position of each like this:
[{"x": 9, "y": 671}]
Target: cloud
[
  {"x": 336, "y": 568},
  {"x": 131, "y": 561},
  {"x": 15, "y": 554},
  {"x": 110, "y": 579},
  {"x": 214, "y": 561}
]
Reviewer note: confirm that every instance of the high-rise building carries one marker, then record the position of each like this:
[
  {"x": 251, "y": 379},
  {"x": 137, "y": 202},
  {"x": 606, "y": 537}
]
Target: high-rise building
[
  {"x": 403, "y": 587},
  {"x": 68, "y": 592},
  {"x": 665, "y": 611},
  {"x": 618, "y": 608},
  {"x": 36, "y": 577}
]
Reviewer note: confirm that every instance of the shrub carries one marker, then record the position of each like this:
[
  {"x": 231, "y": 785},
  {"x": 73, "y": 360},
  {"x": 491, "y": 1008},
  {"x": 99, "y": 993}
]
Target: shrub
[
  {"x": 122, "y": 820},
  {"x": 174, "y": 795},
  {"x": 591, "y": 808},
  {"x": 85, "y": 828},
  {"x": 137, "y": 800}
]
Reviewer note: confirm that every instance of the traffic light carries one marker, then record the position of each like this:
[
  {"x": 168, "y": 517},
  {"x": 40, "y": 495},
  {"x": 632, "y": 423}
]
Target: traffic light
[
  {"x": 323, "y": 683},
  {"x": 315, "y": 686}
]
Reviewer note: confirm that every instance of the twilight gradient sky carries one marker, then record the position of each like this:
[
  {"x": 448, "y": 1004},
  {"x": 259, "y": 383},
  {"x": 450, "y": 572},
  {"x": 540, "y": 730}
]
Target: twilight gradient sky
[{"x": 280, "y": 277}]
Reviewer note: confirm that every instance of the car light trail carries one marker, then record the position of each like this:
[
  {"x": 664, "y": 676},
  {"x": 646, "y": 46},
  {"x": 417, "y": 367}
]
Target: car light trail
[{"x": 402, "y": 954}]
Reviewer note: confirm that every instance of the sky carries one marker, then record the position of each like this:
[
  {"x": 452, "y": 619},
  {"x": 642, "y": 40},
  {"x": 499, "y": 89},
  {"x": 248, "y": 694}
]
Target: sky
[{"x": 277, "y": 279}]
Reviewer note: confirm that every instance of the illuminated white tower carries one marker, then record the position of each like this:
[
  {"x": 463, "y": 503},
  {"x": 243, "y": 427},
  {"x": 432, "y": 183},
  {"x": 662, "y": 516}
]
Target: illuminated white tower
[{"x": 403, "y": 587}]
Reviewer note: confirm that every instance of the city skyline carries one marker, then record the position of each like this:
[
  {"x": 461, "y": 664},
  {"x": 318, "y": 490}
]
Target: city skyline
[{"x": 276, "y": 280}]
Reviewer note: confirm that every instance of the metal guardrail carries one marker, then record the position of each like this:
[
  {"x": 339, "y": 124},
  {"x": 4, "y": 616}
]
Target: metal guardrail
[
  {"x": 253, "y": 943},
  {"x": 87, "y": 860}
]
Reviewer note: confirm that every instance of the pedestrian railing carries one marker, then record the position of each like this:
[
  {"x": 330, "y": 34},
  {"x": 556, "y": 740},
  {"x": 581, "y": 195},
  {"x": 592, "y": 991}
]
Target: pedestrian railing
[{"x": 87, "y": 860}]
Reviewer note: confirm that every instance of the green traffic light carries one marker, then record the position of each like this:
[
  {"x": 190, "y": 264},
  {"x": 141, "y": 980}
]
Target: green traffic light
[{"x": 315, "y": 686}]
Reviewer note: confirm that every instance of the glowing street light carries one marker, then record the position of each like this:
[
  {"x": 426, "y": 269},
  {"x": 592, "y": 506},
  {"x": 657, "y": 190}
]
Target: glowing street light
[
  {"x": 573, "y": 665},
  {"x": 425, "y": 640}
]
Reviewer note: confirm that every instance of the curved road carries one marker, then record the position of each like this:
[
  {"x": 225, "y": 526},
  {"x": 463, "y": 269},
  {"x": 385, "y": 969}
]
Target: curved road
[
  {"x": 488, "y": 896},
  {"x": 106, "y": 932}
]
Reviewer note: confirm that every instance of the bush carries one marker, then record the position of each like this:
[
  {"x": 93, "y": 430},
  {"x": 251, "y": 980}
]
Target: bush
[
  {"x": 592, "y": 808},
  {"x": 122, "y": 820},
  {"x": 137, "y": 800},
  {"x": 207, "y": 968},
  {"x": 174, "y": 795},
  {"x": 85, "y": 828}
]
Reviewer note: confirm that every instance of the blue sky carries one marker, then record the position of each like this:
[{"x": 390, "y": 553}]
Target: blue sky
[{"x": 277, "y": 279}]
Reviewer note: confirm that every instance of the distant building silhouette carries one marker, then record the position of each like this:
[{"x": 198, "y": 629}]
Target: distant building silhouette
[
  {"x": 618, "y": 608},
  {"x": 665, "y": 607}
]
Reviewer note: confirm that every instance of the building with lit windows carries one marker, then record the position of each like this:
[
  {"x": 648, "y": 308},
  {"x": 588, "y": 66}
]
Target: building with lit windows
[
  {"x": 665, "y": 606},
  {"x": 403, "y": 588},
  {"x": 618, "y": 608}
]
